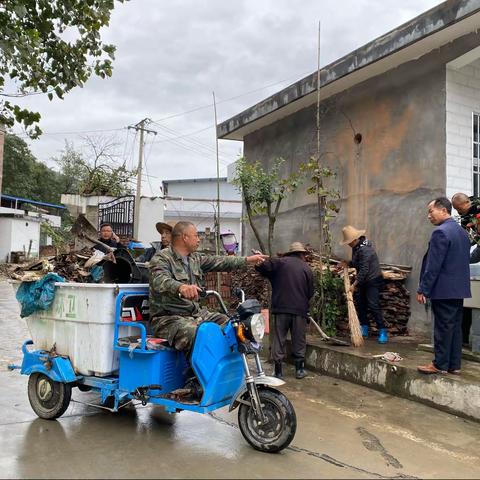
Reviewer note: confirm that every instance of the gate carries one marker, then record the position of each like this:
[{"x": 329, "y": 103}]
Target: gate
[{"x": 120, "y": 214}]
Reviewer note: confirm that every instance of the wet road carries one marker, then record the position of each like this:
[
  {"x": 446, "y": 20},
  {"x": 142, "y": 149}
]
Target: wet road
[{"x": 344, "y": 431}]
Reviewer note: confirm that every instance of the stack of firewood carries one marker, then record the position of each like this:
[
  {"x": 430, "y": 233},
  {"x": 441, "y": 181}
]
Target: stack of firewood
[{"x": 394, "y": 297}]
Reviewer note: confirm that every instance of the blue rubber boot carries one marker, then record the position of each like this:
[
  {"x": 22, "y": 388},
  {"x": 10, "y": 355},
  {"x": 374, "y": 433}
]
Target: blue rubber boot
[
  {"x": 382, "y": 335},
  {"x": 364, "y": 331}
]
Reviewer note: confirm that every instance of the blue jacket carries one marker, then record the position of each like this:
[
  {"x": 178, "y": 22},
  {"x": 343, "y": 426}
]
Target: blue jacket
[{"x": 445, "y": 270}]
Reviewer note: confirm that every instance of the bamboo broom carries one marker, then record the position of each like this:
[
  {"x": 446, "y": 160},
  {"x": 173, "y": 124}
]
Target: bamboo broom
[{"x": 353, "y": 322}]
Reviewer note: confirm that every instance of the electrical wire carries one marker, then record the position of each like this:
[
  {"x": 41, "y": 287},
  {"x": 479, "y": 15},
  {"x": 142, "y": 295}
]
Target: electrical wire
[{"x": 210, "y": 105}]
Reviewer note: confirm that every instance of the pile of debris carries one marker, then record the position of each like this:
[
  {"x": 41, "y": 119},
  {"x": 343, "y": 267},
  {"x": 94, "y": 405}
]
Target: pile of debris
[{"x": 73, "y": 266}]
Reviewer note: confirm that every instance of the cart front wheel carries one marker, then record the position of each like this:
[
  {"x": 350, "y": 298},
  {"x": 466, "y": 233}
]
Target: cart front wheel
[
  {"x": 49, "y": 399},
  {"x": 281, "y": 422}
]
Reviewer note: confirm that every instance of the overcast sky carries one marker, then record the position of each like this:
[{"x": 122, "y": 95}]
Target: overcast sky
[{"x": 172, "y": 54}]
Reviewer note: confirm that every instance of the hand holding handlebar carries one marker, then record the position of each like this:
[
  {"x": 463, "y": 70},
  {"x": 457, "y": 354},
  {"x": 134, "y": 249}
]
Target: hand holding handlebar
[{"x": 190, "y": 292}]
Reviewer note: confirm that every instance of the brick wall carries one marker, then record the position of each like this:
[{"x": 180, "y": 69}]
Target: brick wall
[
  {"x": 463, "y": 98},
  {"x": 210, "y": 283}
]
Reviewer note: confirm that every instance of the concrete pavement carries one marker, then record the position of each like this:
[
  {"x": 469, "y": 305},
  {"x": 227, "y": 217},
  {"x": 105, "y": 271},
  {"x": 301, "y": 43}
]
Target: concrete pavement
[{"x": 344, "y": 431}]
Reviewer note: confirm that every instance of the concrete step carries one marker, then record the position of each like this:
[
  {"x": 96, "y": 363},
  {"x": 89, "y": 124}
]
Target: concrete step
[{"x": 459, "y": 395}]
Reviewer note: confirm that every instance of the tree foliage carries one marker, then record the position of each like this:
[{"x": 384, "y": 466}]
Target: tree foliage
[
  {"x": 50, "y": 47},
  {"x": 24, "y": 176},
  {"x": 318, "y": 176},
  {"x": 95, "y": 170},
  {"x": 263, "y": 192}
]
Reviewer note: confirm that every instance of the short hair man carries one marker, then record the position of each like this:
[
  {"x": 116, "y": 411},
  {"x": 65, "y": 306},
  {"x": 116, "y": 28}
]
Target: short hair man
[
  {"x": 108, "y": 236},
  {"x": 445, "y": 280},
  {"x": 469, "y": 210},
  {"x": 176, "y": 275},
  {"x": 292, "y": 289}
]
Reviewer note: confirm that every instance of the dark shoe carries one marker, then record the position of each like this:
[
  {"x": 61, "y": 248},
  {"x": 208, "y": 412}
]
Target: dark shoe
[
  {"x": 455, "y": 372},
  {"x": 300, "y": 369},
  {"x": 429, "y": 369},
  {"x": 278, "y": 370}
]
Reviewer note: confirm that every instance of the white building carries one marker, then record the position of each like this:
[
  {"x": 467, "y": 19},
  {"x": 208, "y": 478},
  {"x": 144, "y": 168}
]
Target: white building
[
  {"x": 20, "y": 227},
  {"x": 195, "y": 200}
]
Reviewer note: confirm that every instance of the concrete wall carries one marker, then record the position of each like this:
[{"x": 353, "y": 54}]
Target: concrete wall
[
  {"x": 5, "y": 238},
  {"x": 16, "y": 234},
  {"x": 151, "y": 212},
  {"x": 232, "y": 224},
  {"x": 463, "y": 98},
  {"x": 202, "y": 188},
  {"x": 386, "y": 180}
]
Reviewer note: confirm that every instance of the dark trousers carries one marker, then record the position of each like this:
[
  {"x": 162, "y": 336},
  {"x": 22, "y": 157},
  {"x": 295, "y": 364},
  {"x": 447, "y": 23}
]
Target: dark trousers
[
  {"x": 282, "y": 323},
  {"x": 367, "y": 299},
  {"x": 447, "y": 333}
]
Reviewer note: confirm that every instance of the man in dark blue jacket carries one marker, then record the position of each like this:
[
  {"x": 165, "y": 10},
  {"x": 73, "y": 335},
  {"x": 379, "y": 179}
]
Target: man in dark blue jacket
[{"x": 445, "y": 280}]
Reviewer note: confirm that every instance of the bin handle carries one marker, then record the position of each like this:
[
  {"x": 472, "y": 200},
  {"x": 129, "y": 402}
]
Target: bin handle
[{"x": 143, "y": 332}]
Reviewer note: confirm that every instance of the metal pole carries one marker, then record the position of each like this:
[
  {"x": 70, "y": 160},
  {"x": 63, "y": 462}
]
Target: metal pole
[
  {"x": 217, "y": 230},
  {"x": 218, "y": 177},
  {"x": 136, "y": 220},
  {"x": 139, "y": 182}
]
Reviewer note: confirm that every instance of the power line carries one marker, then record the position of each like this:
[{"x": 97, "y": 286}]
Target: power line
[
  {"x": 74, "y": 133},
  {"x": 210, "y": 105}
]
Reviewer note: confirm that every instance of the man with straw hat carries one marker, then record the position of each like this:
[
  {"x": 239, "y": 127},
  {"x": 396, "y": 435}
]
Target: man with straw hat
[
  {"x": 292, "y": 289},
  {"x": 165, "y": 231},
  {"x": 368, "y": 281}
]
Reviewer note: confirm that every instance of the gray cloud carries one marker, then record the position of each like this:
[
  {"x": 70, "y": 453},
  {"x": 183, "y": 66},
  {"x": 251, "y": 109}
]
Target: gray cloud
[{"x": 172, "y": 54}]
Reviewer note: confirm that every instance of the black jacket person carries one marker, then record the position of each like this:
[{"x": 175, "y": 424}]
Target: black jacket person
[
  {"x": 292, "y": 288},
  {"x": 368, "y": 281}
]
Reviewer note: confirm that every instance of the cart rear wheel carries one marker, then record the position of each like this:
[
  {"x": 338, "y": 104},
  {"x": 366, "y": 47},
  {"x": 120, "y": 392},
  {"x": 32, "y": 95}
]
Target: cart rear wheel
[{"x": 49, "y": 399}]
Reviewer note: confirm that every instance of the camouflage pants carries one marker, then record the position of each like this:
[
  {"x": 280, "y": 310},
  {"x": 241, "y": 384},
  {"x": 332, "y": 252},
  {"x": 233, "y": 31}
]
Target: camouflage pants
[{"x": 180, "y": 330}]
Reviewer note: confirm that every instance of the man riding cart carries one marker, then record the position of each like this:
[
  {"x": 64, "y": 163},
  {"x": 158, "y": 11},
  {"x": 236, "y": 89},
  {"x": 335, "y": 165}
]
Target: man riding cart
[{"x": 176, "y": 275}]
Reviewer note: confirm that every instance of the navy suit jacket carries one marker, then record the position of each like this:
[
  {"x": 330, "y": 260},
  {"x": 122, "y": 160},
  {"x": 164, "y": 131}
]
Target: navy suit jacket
[{"x": 445, "y": 270}]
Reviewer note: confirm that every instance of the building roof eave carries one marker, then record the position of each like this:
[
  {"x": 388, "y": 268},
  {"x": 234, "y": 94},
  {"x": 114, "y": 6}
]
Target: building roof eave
[{"x": 430, "y": 30}]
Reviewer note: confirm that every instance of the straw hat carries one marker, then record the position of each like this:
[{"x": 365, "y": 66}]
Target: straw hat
[
  {"x": 160, "y": 226},
  {"x": 350, "y": 234},
  {"x": 296, "y": 247}
]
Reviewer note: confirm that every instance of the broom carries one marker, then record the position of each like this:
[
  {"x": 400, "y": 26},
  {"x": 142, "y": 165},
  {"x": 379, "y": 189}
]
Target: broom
[{"x": 353, "y": 322}]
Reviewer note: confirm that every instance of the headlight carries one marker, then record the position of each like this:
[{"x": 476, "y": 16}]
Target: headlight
[{"x": 257, "y": 327}]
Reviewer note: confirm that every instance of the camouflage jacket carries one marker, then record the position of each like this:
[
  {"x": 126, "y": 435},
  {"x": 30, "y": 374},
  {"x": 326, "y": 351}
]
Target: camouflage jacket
[{"x": 168, "y": 272}]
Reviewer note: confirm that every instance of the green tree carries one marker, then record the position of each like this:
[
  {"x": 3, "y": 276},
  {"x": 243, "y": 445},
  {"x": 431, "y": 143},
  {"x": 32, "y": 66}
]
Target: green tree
[
  {"x": 50, "y": 47},
  {"x": 96, "y": 169},
  {"x": 24, "y": 176},
  {"x": 263, "y": 192}
]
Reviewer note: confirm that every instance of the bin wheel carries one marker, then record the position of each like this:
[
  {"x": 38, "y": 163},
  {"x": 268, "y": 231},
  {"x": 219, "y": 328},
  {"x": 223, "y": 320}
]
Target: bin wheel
[{"x": 48, "y": 399}]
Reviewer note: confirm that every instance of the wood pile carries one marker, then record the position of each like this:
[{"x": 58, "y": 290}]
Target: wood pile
[
  {"x": 72, "y": 266},
  {"x": 394, "y": 297}
]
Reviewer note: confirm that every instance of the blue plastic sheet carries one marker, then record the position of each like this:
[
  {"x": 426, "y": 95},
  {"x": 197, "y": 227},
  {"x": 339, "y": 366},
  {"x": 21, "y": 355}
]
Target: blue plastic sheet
[
  {"x": 39, "y": 295},
  {"x": 96, "y": 272}
]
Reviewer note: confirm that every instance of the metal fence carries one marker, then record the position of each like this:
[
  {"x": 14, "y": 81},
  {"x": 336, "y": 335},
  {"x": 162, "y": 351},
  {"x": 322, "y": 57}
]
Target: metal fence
[{"x": 119, "y": 213}]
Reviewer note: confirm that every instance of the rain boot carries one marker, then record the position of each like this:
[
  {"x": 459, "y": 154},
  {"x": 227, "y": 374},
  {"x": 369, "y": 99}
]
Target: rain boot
[
  {"x": 383, "y": 335},
  {"x": 364, "y": 331},
  {"x": 300, "y": 369},
  {"x": 278, "y": 370}
]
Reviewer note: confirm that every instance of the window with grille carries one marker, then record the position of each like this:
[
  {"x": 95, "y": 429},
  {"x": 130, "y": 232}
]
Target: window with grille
[{"x": 476, "y": 154}]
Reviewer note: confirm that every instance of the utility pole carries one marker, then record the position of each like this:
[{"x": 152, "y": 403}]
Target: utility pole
[
  {"x": 140, "y": 126},
  {"x": 218, "y": 176},
  {"x": 217, "y": 233}
]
